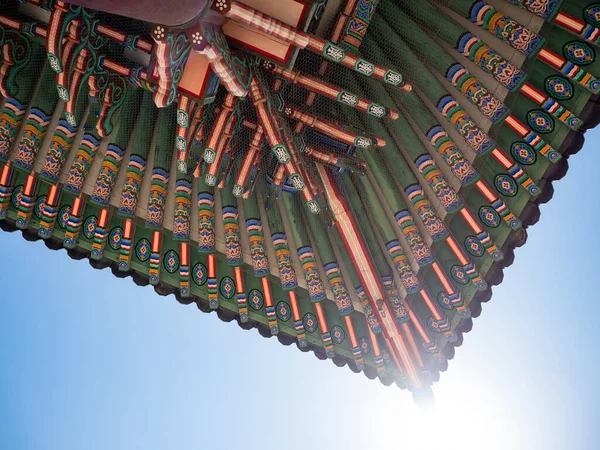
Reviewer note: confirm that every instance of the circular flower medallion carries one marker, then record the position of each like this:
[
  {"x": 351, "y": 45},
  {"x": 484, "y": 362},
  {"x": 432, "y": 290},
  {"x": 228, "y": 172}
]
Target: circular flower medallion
[
  {"x": 364, "y": 344},
  {"x": 283, "y": 311},
  {"x": 540, "y": 121},
  {"x": 337, "y": 334},
  {"x": 459, "y": 274},
  {"x": 89, "y": 227},
  {"x": 523, "y": 153},
  {"x": 592, "y": 14},
  {"x": 227, "y": 287},
  {"x": 489, "y": 216},
  {"x": 143, "y": 250},
  {"x": 16, "y": 196},
  {"x": 579, "y": 53},
  {"x": 255, "y": 299},
  {"x": 473, "y": 246},
  {"x": 39, "y": 206},
  {"x": 506, "y": 185},
  {"x": 114, "y": 238},
  {"x": 310, "y": 322},
  {"x": 63, "y": 217},
  {"x": 199, "y": 274},
  {"x": 559, "y": 88},
  {"x": 171, "y": 261}
]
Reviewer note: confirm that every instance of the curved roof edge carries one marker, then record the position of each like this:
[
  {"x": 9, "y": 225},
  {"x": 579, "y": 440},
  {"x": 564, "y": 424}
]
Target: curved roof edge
[
  {"x": 530, "y": 216},
  {"x": 572, "y": 144}
]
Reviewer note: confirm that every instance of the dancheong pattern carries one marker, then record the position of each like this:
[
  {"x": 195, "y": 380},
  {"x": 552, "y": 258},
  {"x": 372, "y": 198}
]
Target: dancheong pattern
[
  {"x": 523, "y": 153},
  {"x": 143, "y": 250},
  {"x": 255, "y": 299},
  {"x": 199, "y": 274},
  {"x": 338, "y": 335},
  {"x": 227, "y": 287},
  {"x": 283, "y": 311},
  {"x": 489, "y": 216},
  {"x": 115, "y": 237},
  {"x": 63, "y": 217},
  {"x": 357, "y": 194},
  {"x": 171, "y": 261},
  {"x": 559, "y": 87},
  {"x": 506, "y": 185},
  {"x": 310, "y": 322},
  {"x": 540, "y": 121},
  {"x": 579, "y": 53}
]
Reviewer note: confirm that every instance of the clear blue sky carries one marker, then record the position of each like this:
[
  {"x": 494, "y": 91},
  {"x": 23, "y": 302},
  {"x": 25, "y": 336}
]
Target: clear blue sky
[{"x": 89, "y": 361}]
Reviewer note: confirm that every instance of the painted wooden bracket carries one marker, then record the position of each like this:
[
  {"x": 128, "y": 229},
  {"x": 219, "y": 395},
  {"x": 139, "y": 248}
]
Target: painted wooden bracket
[
  {"x": 171, "y": 52},
  {"x": 16, "y": 51}
]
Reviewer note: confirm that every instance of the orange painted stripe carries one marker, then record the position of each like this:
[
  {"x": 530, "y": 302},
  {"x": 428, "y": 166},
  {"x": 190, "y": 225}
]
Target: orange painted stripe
[
  {"x": 351, "y": 332},
  {"x": 29, "y": 184},
  {"x": 321, "y": 318},
  {"x": 569, "y": 22},
  {"x": 501, "y": 157},
  {"x": 551, "y": 58},
  {"x": 5, "y": 174},
  {"x": 239, "y": 279},
  {"x": 425, "y": 296},
  {"x": 417, "y": 323},
  {"x": 52, "y": 194},
  {"x": 212, "y": 273},
  {"x": 485, "y": 191},
  {"x": 111, "y": 33},
  {"x": 294, "y": 302},
  {"x": 76, "y": 208},
  {"x": 103, "y": 217},
  {"x": 10, "y": 23},
  {"x": 516, "y": 125},
  {"x": 115, "y": 67},
  {"x": 127, "y": 228},
  {"x": 267, "y": 291},
  {"x": 533, "y": 93},
  {"x": 156, "y": 241},
  {"x": 440, "y": 273},
  {"x": 471, "y": 221},
  {"x": 184, "y": 249},
  {"x": 456, "y": 250}
]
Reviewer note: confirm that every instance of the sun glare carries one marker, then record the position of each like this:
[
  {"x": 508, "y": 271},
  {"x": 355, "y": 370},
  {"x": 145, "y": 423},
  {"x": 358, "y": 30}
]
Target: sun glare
[{"x": 463, "y": 418}]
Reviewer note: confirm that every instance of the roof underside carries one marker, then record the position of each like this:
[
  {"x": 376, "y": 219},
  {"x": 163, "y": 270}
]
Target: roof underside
[{"x": 360, "y": 206}]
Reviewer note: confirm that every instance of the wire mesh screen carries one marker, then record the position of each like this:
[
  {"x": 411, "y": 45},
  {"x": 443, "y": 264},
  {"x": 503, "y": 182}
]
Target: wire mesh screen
[{"x": 350, "y": 175}]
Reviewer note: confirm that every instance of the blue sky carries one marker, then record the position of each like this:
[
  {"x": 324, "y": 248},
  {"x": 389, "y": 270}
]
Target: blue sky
[{"x": 93, "y": 362}]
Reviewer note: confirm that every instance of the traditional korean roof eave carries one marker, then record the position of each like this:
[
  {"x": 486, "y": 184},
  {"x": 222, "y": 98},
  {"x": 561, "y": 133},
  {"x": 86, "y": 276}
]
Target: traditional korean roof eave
[
  {"x": 571, "y": 146},
  {"x": 163, "y": 289},
  {"x": 444, "y": 137}
]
